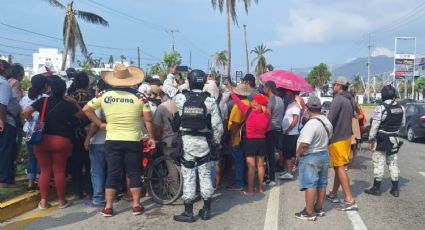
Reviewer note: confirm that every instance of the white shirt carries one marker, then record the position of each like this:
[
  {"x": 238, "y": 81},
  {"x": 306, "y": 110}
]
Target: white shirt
[
  {"x": 314, "y": 134},
  {"x": 99, "y": 137},
  {"x": 293, "y": 109},
  {"x": 24, "y": 103}
]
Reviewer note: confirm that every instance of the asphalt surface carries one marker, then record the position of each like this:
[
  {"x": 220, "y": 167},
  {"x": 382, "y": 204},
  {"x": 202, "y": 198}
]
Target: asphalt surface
[{"x": 272, "y": 210}]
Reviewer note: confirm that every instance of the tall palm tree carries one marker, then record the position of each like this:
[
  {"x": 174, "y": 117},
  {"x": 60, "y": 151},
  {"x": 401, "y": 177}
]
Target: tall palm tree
[
  {"x": 221, "y": 60},
  {"x": 123, "y": 58},
  {"x": 72, "y": 36},
  {"x": 111, "y": 61},
  {"x": 261, "y": 66},
  {"x": 231, "y": 15}
]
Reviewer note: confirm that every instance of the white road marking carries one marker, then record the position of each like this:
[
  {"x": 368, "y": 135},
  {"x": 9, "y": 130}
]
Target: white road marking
[
  {"x": 356, "y": 220},
  {"x": 272, "y": 213},
  {"x": 422, "y": 173}
]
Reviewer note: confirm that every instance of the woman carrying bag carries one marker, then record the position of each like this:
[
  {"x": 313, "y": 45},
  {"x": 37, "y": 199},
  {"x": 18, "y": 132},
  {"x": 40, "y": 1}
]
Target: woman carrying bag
[{"x": 55, "y": 147}]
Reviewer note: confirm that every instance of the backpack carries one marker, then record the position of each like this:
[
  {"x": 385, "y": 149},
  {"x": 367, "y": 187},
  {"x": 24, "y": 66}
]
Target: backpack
[{"x": 194, "y": 114}]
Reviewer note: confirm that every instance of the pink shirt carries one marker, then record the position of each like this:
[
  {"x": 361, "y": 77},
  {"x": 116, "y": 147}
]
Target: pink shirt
[{"x": 257, "y": 124}]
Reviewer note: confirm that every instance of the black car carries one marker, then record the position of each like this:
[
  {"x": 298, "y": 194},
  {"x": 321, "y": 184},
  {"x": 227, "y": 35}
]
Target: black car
[{"x": 414, "y": 127}]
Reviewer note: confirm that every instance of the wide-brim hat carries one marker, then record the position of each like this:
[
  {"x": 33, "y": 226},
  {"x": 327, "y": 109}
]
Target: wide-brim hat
[
  {"x": 241, "y": 90},
  {"x": 123, "y": 76},
  {"x": 341, "y": 80}
]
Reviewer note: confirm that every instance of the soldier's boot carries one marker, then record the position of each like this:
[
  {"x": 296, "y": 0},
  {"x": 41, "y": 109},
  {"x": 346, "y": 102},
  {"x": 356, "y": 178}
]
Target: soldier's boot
[
  {"x": 187, "y": 215},
  {"x": 375, "y": 189},
  {"x": 205, "y": 212},
  {"x": 394, "y": 190}
]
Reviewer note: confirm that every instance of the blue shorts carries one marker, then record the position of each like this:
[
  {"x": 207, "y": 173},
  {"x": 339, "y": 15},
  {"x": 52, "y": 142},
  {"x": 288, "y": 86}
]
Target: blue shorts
[{"x": 313, "y": 170}]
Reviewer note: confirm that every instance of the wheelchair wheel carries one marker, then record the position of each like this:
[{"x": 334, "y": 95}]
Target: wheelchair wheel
[{"x": 165, "y": 181}]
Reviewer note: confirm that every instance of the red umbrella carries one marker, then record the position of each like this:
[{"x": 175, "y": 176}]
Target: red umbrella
[{"x": 287, "y": 80}]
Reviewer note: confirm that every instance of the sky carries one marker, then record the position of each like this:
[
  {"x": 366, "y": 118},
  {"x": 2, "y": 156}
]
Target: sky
[{"x": 301, "y": 33}]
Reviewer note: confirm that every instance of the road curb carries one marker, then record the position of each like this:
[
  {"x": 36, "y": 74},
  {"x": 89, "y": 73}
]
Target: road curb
[{"x": 18, "y": 205}]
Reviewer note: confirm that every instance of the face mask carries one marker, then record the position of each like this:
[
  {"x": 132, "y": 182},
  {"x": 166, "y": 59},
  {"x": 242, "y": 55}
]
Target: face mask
[{"x": 288, "y": 99}]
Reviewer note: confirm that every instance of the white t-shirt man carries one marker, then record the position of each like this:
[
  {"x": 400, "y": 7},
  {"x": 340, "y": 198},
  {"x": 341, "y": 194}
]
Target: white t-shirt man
[
  {"x": 315, "y": 135},
  {"x": 293, "y": 109}
]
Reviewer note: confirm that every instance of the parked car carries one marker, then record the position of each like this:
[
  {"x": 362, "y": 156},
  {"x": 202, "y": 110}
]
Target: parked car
[{"x": 414, "y": 127}]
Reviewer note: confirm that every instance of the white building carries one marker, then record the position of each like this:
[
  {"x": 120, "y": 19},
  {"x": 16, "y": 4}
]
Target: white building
[{"x": 50, "y": 57}]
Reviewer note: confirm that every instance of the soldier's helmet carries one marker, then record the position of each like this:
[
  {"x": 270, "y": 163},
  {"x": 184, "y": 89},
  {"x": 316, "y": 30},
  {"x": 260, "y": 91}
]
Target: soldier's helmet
[
  {"x": 388, "y": 92},
  {"x": 197, "y": 79}
]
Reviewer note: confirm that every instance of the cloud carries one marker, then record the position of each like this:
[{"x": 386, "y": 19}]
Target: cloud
[
  {"x": 381, "y": 51},
  {"x": 321, "y": 25}
]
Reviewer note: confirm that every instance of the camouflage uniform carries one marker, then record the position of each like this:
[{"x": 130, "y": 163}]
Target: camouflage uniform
[
  {"x": 380, "y": 158},
  {"x": 196, "y": 147}
]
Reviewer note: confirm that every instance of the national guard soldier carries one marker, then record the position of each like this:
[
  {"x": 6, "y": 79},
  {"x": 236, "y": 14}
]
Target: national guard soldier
[
  {"x": 383, "y": 140},
  {"x": 200, "y": 124}
]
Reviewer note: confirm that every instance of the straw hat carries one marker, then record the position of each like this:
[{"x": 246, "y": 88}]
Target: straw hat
[
  {"x": 123, "y": 76},
  {"x": 241, "y": 90}
]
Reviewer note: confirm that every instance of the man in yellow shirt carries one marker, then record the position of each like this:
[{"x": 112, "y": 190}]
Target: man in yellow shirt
[
  {"x": 123, "y": 109},
  {"x": 236, "y": 119}
]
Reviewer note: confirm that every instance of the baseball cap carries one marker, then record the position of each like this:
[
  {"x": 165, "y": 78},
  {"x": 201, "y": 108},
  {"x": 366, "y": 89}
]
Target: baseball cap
[
  {"x": 341, "y": 80},
  {"x": 314, "y": 103}
]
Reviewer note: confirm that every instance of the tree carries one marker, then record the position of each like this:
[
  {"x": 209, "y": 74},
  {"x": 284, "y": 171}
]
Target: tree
[
  {"x": 89, "y": 62},
  {"x": 10, "y": 59},
  {"x": 319, "y": 76},
  {"x": 357, "y": 84},
  {"x": 123, "y": 58},
  {"x": 171, "y": 59},
  {"x": 220, "y": 60},
  {"x": 131, "y": 62},
  {"x": 261, "y": 66},
  {"x": 72, "y": 36},
  {"x": 111, "y": 61},
  {"x": 231, "y": 15},
  {"x": 269, "y": 67},
  {"x": 156, "y": 69}
]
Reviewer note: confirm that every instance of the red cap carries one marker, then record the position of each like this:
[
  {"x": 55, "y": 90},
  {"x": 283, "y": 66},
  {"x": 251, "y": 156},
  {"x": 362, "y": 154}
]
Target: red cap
[{"x": 260, "y": 99}]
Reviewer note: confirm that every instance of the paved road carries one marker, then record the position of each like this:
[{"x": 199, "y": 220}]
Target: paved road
[{"x": 272, "y": 210}]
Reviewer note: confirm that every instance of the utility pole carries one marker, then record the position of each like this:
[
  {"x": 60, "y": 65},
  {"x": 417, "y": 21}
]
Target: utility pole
[
  {"x": 190, "y": 59},
  {"x": 368, "y": 69},
  {"x": 138, "y": 57},
  {"x": 208, "y": 66},
  {"x": 246, "y": 51},
  {"x": 172, "y": 31}
]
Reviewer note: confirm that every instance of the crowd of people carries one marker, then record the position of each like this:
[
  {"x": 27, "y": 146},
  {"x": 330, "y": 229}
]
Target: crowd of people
[{"x": 93, "y": 131}]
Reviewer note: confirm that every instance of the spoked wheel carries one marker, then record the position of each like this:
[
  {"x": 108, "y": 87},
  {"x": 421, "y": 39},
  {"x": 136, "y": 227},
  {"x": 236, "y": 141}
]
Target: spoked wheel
[
  {"x": 410, "y": 134},
  {"x": 165, "y": 180}
]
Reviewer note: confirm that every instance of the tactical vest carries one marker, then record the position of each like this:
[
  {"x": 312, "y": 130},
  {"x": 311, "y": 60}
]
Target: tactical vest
[
  {"x": 392, "y": 122},
  {"x": 194, "y": 115}
]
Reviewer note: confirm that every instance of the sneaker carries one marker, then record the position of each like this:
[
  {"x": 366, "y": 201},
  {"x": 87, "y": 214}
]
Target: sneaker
[
  {"x": 272, "y": 183},
  {"x": 286, "y": 176},
  {"x": 283, "y": 173},
  {"x": 304, "y": 216},
  {"x": 66, "y": 204},
  {"x": 234, "y": 187},
  {"x": 107, "y": 212},
  {"x": 319, "y": 212},
  {"x": 93, "y": 204},
  {"x": 346, "y": 206},
  {"x": 333, "y": 199},
  {"x": 138, "y": 210}
]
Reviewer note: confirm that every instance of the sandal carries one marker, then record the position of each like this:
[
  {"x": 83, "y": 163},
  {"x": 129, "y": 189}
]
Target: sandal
[
  {"x": 45, "y": 208},
  {"x": 246, "y": 194}
]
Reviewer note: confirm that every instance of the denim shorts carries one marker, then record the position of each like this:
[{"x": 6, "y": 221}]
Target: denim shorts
[{"x": 313, "y": 170}]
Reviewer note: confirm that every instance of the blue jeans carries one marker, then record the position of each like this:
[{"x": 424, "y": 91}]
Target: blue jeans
[
  {"x": 240, "y": 166},
  {"x": 8, "y": 154},
  {"x": 98, "y": 172},
  {"x": 33, "y": 169},
  {"x": 313, "y": 170}
]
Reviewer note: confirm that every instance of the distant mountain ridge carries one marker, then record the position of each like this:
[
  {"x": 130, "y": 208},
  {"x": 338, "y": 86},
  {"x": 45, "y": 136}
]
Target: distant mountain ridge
[{"x": 358, "y": 66}]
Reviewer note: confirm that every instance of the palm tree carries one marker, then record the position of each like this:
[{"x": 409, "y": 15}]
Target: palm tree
[
  {"x": 123, "y": 58},
  {"x": 220, "y": 60},
  {"x": 89, "y": 62},
  {"x": 111, "y": 61},
  {"x": 72, "y": 35},
  {"x": 231, "y": 15},
  {"x": 261, "y": 66}
]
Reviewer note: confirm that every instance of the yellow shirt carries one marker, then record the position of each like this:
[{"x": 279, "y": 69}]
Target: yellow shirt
[
  {"x": 236, "y": 116},
  {"x": 123, "y": 111}
]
